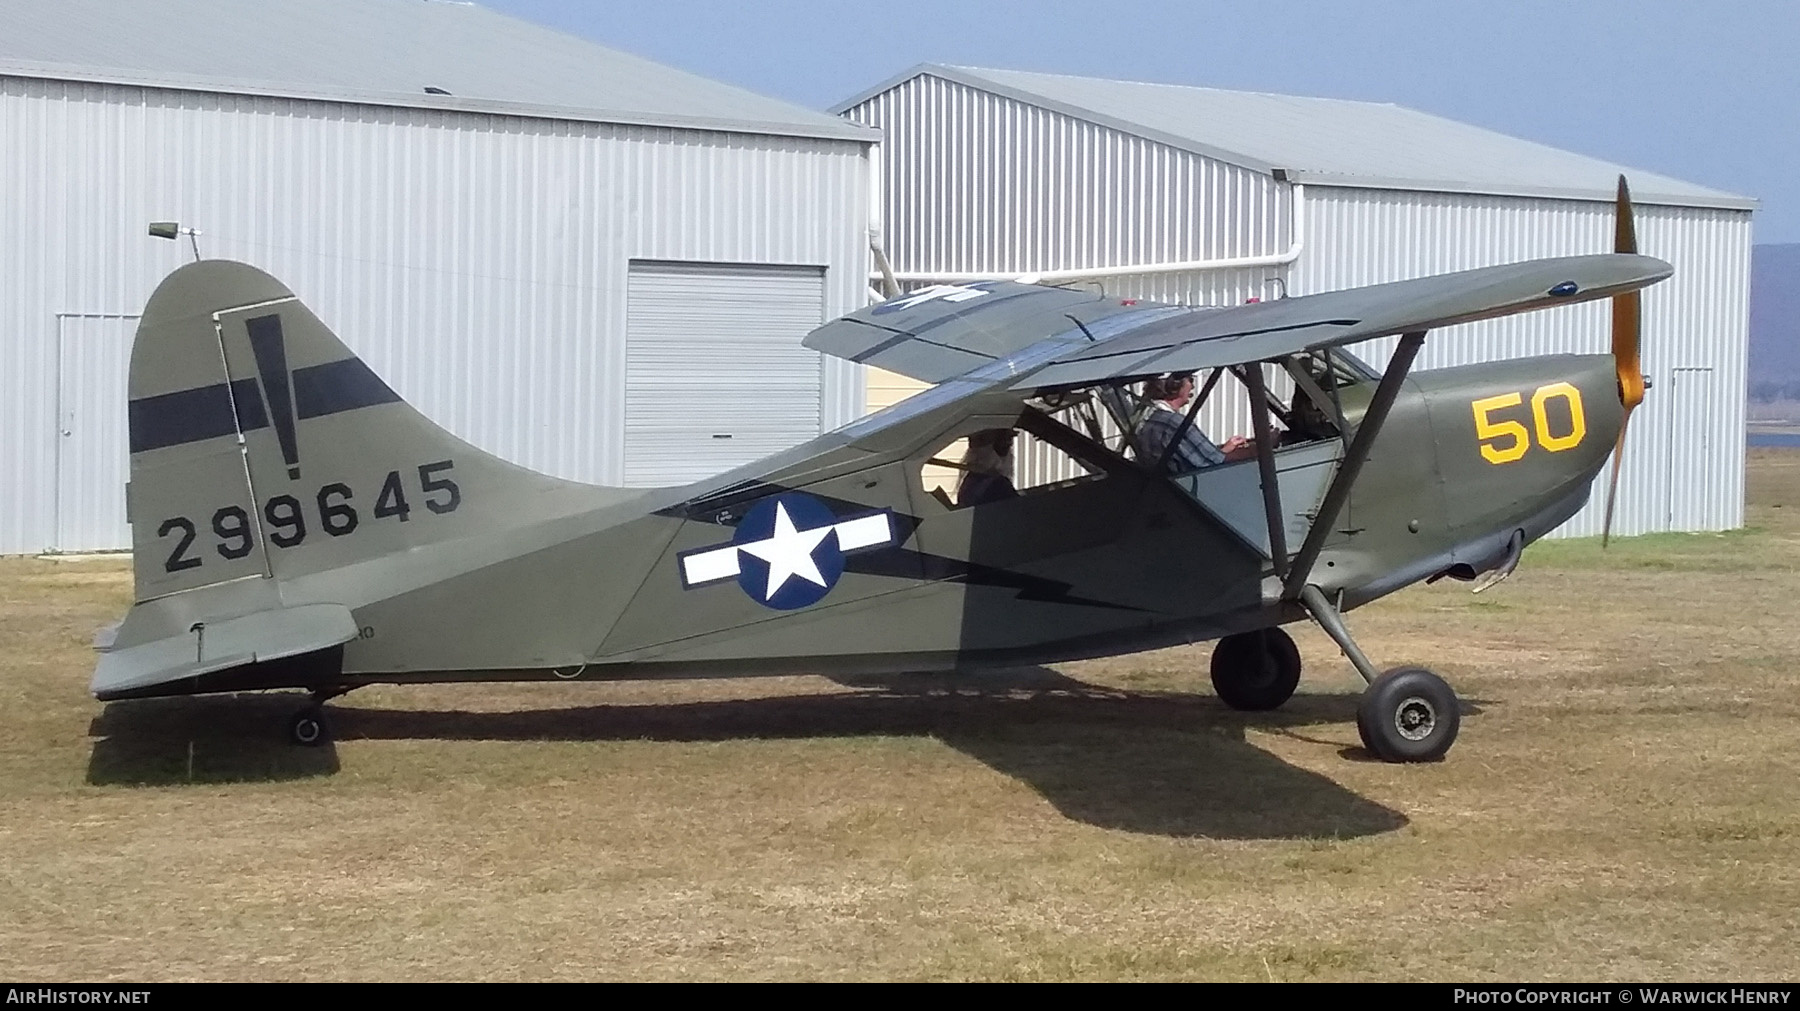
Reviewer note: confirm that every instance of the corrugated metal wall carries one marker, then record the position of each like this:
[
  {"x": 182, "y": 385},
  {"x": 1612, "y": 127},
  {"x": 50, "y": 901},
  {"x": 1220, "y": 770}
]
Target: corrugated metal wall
[
  {"x": 1684, "y": 466},
  {"x": 980, "y": 182},
  {"x": 478, "y": 262}
]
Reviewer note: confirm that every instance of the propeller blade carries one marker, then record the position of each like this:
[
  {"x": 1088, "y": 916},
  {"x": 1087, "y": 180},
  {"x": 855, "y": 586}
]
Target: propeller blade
[
  {"x": 1627, "y": 310},
  {"x": 1612, "y": 489},
  {"x": 1624, "y": 226},
  {"x": 1627, "y": 338}
]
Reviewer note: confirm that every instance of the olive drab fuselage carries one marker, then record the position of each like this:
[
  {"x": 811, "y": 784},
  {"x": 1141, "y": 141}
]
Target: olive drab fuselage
[{"x": 297, "y": 524}]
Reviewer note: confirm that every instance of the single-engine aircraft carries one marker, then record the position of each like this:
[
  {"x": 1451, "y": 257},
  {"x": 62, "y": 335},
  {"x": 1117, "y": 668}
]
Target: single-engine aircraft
[{"x": 297, "y": 525}]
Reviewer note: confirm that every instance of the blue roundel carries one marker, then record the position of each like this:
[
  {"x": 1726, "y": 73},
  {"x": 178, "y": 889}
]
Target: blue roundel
[
  {"x": 1565, "y": 288},
  {"x": 788, "y": 554}
]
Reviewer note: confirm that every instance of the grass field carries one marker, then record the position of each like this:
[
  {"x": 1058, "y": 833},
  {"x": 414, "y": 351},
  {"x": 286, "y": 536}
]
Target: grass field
[{"x": 1624, "y": 804}]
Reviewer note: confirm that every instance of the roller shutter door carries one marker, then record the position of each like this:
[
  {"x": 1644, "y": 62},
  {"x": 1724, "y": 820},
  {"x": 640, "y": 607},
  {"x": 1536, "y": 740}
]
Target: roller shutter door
[{"x": 715, "y": 374}]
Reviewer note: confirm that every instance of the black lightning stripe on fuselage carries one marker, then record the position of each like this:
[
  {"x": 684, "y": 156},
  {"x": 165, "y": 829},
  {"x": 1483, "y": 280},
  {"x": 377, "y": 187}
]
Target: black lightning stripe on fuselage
[
  {"x": 725, "y": 506},
  {"x": 941, "y": 569},
  {"x": 174, "y": 419}
]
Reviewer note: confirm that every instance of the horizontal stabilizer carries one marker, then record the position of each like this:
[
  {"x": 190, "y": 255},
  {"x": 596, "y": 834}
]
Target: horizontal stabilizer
[{"x": 229, "y": 642}]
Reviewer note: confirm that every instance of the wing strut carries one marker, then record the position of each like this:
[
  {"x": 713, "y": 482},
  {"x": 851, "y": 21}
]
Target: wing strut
[
  {"x": 1339, "y": 493},
  {"x": 1265, "y": 467}
]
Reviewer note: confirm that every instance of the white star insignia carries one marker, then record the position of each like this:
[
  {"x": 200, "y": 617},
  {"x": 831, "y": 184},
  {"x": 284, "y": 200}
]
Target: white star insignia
[{"x": 789, "y": 552}]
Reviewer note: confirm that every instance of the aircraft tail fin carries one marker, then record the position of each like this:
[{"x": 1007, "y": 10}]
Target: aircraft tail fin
[{"x": 261, "y": 446}]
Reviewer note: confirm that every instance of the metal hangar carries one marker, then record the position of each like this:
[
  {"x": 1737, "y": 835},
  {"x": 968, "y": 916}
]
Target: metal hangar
[{"x": 587, "y": 263}]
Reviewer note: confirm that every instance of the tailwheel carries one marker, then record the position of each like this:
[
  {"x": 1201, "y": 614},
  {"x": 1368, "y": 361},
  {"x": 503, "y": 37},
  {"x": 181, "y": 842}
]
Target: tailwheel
[
  {"x": 1408, "y": 714},
  {"x": 1256, "y": 670},
  {"x": 308, "y": 728}
]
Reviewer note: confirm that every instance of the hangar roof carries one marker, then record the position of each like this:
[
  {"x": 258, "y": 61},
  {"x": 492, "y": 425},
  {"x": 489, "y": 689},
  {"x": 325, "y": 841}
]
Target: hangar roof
[
  {"x": 1325, "y": 140},
  {"x": 382, "y": 52}
]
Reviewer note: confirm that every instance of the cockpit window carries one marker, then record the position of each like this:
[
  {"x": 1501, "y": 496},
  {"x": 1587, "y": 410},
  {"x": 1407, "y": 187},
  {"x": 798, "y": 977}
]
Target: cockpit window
[
  {"x": 1209, "y": 418},
  {"x": 1333, "y": 368},
  {"x": 993, "y": 463}
]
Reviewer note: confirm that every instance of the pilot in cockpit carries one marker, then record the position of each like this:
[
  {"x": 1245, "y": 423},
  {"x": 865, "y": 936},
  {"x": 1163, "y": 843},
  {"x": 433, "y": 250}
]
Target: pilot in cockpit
[
  {"x": 987, "y": 468},
  {"x": 1169, "y": 397}
]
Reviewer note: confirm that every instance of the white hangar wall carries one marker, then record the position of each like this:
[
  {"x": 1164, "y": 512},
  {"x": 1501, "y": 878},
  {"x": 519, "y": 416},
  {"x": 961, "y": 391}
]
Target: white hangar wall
[
  {"x": 479, "y": 262},
  {"x": 981, "y": 183}
]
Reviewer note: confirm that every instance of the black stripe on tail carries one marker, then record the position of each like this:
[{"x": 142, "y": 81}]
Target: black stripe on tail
[{"x": 174, "y": 419}]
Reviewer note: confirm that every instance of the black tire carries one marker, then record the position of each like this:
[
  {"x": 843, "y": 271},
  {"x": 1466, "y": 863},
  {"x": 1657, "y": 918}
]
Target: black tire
[
  {"x": 1256, "y": 671},
  {"x": 1408, "y": 714},
  {"x": 308, "y": 729}
]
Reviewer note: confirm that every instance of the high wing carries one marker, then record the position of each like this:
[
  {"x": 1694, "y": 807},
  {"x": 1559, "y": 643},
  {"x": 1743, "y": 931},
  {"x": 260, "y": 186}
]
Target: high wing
[
  {"x": 1265, "y": 330},
  {"x": 946, "y": 331}
]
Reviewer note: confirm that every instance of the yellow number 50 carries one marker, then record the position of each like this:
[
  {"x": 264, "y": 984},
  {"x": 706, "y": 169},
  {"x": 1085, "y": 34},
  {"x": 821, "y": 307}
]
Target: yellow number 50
[{"x": 1504, "y": 441}]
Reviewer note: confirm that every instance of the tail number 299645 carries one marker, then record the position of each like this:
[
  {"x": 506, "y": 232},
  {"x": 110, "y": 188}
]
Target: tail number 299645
[
  {"x": 284, "y": 518},
  {"x": 1505, "y": 439}
]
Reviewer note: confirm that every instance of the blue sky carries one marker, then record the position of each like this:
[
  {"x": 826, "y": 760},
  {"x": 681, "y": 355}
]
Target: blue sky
[{"x": 1703, "y": 90}]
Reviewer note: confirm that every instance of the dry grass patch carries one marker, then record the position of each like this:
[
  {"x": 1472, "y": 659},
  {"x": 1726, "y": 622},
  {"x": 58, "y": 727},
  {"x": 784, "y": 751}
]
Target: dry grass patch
[{"x": 1620, "y": 806}]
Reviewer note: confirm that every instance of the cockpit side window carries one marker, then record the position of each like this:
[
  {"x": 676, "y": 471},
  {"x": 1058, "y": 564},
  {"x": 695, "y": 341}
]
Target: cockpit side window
[
  {"x": 1317, "y": 408},
  {"x": 1037, "y": 455},
  {"x": 1186, "y": 423}
]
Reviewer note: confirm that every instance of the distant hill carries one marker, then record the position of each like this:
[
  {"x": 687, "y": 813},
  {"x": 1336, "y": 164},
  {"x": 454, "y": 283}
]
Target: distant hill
[{"x": 1775, "y": 322}]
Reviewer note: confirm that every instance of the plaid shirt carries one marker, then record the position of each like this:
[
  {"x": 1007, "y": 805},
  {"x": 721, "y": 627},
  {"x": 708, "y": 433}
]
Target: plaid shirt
[{"x": 1193, "y": 452}]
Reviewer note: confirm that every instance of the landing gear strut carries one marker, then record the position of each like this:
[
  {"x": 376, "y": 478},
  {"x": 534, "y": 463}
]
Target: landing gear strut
[
  {"x": 1407, "y": 714},
  {"x": 308, "y": 728},
  {"x": 1256, "y": 670}
]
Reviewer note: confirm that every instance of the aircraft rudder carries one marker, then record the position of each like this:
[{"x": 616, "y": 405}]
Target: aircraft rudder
[{"x": 185, "y": 417}]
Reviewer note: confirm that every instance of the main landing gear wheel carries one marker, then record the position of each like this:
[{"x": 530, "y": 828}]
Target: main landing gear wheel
[
  {"x": 1408, "y": 714},
  {"x": 308, "y": 728},
  {"x": 1256, "y": 671}
]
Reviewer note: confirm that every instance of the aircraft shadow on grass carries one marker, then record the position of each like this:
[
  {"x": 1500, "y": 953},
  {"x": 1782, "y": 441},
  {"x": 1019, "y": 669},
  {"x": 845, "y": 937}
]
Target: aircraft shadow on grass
[{"x": 1160, "y": 763}]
